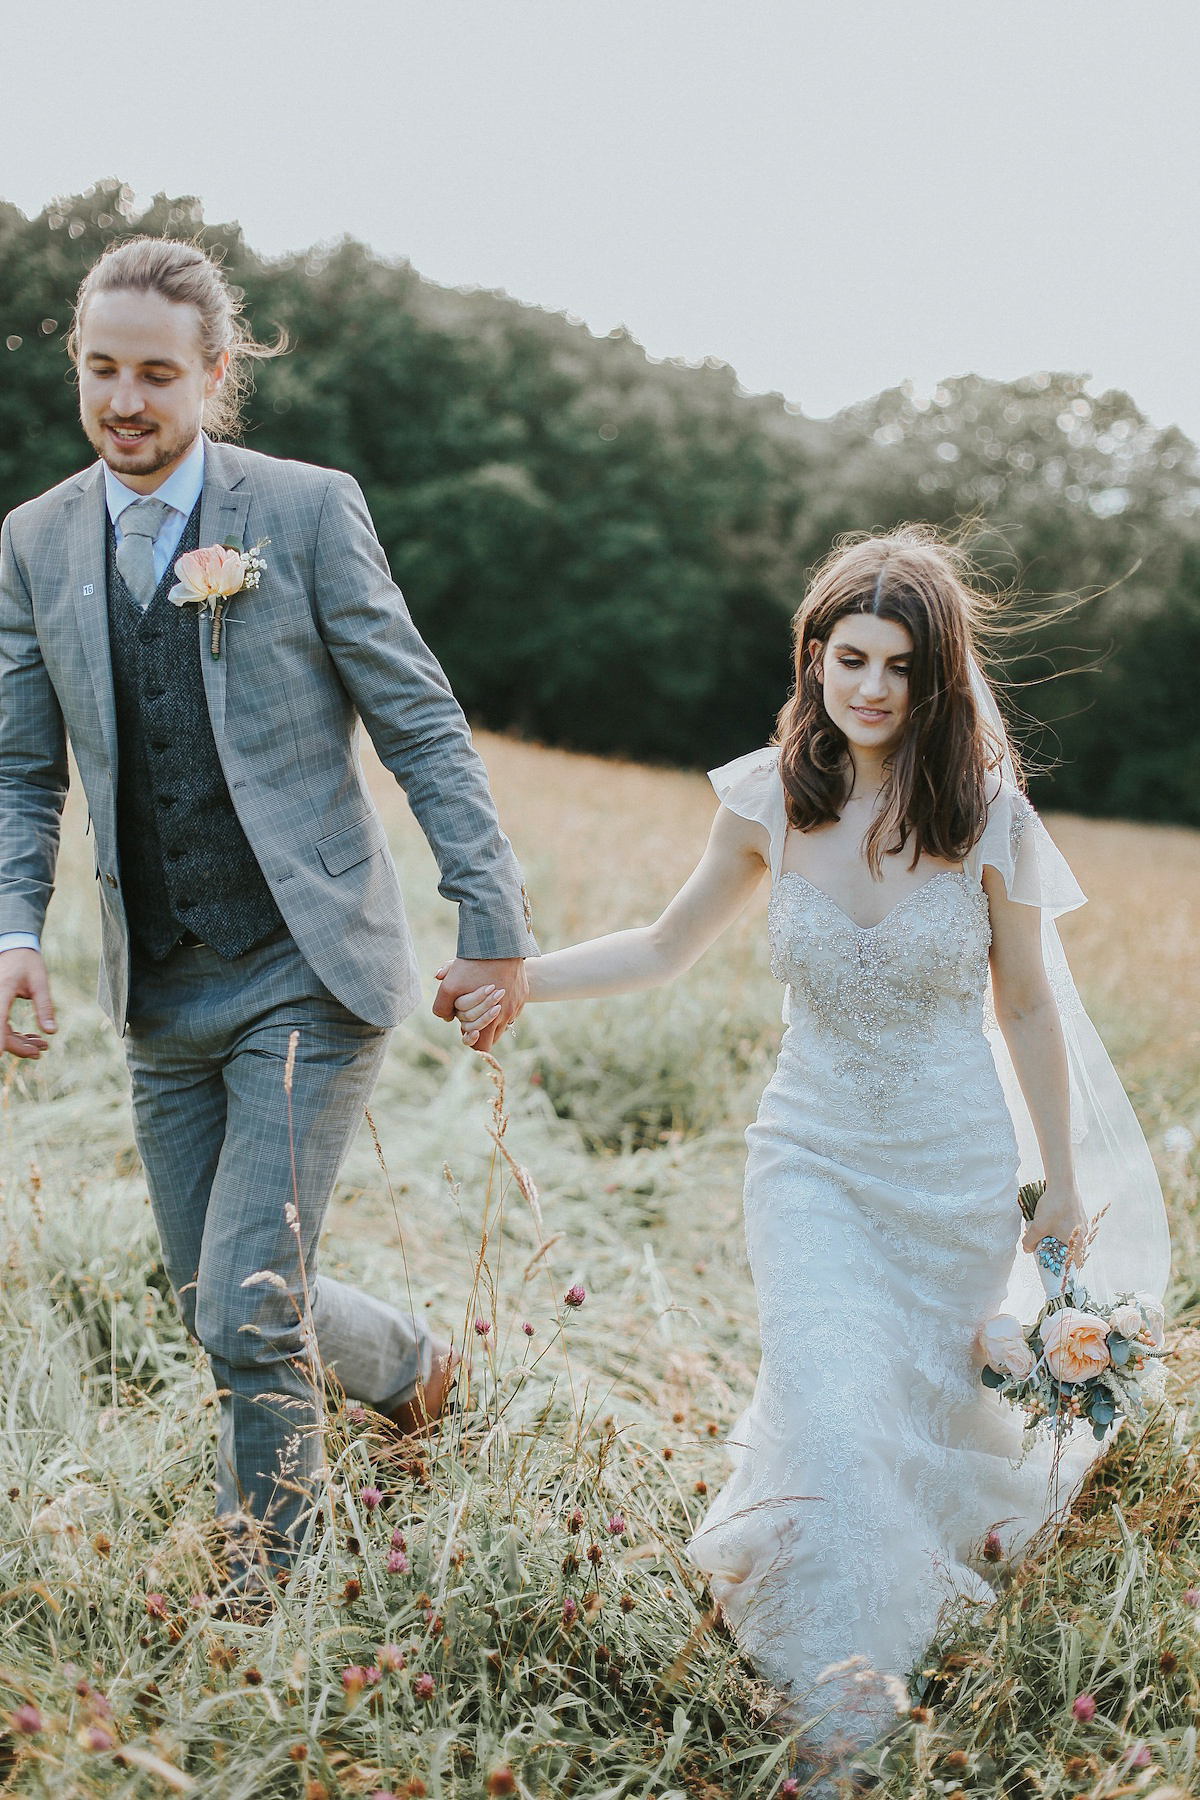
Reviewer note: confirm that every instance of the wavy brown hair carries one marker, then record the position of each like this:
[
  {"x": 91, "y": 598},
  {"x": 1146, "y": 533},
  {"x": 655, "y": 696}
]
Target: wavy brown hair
[{"x": 936, "y": 778}]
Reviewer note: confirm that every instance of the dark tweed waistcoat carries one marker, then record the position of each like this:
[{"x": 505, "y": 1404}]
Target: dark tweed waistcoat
[{"x": 185, "y": 862}]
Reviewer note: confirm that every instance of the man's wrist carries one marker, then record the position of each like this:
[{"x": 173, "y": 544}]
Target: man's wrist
[{"x": 19, "y": 940}]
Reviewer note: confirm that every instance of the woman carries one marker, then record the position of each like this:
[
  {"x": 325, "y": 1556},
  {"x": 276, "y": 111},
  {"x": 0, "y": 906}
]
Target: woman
[{"x": 881, "y": 1212}]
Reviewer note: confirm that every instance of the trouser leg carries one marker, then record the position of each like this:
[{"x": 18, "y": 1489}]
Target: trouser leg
[{"x": 212, "y": 1127}]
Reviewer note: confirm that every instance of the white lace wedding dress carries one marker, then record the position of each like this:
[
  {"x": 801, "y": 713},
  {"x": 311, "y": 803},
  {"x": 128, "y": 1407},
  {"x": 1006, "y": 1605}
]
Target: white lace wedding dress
[{"x": 882, "y": 1224}]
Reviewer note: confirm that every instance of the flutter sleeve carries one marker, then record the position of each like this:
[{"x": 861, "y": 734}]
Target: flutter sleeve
[
  {"x": 1017, "y": 844},
  {"x": 750, "y": 787}
]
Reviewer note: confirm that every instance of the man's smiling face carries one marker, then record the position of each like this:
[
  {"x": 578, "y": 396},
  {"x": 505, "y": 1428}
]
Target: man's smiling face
[{"x": 143, "y": 382}]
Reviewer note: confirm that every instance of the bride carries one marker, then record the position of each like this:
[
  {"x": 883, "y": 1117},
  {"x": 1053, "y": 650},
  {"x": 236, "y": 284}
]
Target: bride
[{"x": 906, "y": 867}]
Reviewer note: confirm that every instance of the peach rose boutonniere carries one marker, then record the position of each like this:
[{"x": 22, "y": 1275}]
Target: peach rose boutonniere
[{"x": 209, "y": 578}]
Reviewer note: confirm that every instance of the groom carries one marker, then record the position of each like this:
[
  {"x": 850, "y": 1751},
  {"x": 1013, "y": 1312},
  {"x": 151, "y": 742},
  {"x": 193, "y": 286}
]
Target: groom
[{"x": 247, "y": 893}]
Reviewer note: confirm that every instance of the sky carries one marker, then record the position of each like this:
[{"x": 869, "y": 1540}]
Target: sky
[{"x": 833, "y": 196}]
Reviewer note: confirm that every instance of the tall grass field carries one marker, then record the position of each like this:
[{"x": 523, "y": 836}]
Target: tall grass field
[{"x": 506, "y": 1608}]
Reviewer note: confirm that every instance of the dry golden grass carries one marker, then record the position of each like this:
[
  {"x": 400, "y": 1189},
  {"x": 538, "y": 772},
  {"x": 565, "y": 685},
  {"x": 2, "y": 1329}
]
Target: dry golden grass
[{"x": 630, "y": 1115}]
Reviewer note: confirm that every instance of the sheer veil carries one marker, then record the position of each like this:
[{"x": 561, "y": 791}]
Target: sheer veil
[{"x": 1116, "y": 1174}]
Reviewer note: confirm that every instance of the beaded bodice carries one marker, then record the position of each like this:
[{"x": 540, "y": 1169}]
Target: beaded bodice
[{"x": 877, "y": 997}]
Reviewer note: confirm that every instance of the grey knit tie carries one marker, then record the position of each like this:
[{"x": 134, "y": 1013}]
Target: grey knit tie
[{"x": 141, "y": 523}]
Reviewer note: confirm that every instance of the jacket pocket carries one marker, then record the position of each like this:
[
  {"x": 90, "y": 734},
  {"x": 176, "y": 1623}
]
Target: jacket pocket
[{"x": 352, "y": 844}]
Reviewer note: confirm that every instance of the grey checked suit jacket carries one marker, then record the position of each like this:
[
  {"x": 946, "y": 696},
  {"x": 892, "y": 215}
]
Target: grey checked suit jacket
[{"x": 324, "y": 640}]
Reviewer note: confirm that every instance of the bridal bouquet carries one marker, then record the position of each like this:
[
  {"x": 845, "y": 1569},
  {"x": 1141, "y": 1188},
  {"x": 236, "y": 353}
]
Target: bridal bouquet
[{"x": 1079, "y": 1360}]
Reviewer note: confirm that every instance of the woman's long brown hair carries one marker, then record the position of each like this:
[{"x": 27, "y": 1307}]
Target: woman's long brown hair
[{"x": 936, "y": 781}]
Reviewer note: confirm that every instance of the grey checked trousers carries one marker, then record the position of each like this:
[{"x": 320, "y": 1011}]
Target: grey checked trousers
[{"x": 207, "y": 1046}]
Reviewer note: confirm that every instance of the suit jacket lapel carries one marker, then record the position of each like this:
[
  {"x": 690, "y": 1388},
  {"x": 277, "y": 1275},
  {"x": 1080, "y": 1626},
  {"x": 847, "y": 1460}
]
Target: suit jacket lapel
[
  {"x": 224, "y": 505},
  {"x": 87, "y": 554}
]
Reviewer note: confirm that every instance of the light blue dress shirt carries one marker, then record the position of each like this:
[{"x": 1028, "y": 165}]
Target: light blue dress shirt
[{"x": 180, "y": 491}]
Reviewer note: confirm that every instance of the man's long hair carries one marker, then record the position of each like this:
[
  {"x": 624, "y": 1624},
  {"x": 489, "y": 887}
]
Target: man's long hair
[
  {"x": 188, "y": 276},
  {"x": 938, "y": 777}
]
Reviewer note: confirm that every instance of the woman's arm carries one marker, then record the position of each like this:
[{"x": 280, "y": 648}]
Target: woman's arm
[
  {"x": 1028, "y": 1016},
  {"x": 733, "y": 864}
]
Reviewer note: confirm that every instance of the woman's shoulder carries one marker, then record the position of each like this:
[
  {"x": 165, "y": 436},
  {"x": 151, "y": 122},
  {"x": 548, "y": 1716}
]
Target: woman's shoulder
[
  {"x": 1015, "y": 842},
  {"x": 750, "y": 787}
]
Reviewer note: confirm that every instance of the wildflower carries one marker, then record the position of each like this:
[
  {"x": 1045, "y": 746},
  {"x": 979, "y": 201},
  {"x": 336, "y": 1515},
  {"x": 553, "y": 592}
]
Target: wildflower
[
  {"x": 595, "y": 1555},
  {"x": 390, "y": 1658},
  {"x": 423, "y": 1687},
  {"x": 156, "y": 1605},
  {"x": 371, "y": 1498},
  {"x": 678, "y": 1417},
  {"x": 627, "y": 1603},
  {"x": 352, "y": 1590},
  {"x": 575, "y": 1520},
  {"x": 357, "y": 1415},
  {"x": 96, "y": 1737},
  {"x": 570, "y": 1563},
  {"x": 397, "y": 1563},
  {"x": 993, "y": 1547},
  {"x": 398, "y": 1542},
  {"x": 712, "y": 1428},
  {"x": 790, "y": 1786},
  {"x": 198, "y": 1601},
  {"x": 298, "y": 1753},
  {"x": 575, "y": 1295},
  {"x": 354, "y": 1680},
  {"x": 502, "y": 1781},
  {"x": 1141, "y": 1757},
  {"x": 527, "y": 1328},
  {"x": 27, "y": 1720},
  {"x": 569, "y": 1612},
  {"x": 919, "y": 1715},
  {"x": 482, "y": 1327},
  {"x": 616, "y": 1525},
  {"x": 1084, "y": 1708},
  {"x": 1191, "y": 1596},
  {"x": 702, "y": 1487},
  {"x": 1168, "y": 1662},
  {"x": 957, "y": 1760}
]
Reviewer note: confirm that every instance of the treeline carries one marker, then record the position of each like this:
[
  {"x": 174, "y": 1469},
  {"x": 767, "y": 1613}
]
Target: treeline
[{"x": 605, "y": 551}]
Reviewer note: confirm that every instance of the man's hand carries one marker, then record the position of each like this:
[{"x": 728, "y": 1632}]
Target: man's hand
[
  {"x": 465, "y": 975},
  {"x": 23, "y": 977}
]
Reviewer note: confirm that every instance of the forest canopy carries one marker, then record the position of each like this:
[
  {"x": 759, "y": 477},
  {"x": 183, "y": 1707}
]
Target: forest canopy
[{"x": 605, "y": 550}]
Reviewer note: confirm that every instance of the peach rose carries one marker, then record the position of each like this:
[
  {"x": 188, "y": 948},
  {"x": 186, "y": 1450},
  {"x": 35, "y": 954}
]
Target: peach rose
[
  {"x": 1075, "y": 1344},
  {"x": 1003, "y": 1344},
  {"x": 210, "y": 574}
]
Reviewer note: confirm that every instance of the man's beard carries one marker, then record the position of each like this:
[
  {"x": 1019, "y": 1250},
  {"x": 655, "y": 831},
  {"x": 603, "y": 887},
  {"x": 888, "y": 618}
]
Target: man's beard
[{"x": 157, "y": 452}]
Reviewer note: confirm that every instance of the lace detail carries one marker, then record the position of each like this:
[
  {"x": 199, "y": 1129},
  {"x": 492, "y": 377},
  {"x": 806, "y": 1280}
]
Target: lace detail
[{"x": 881, "y": 1226}]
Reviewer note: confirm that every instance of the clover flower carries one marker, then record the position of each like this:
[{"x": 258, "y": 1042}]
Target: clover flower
[
  {"x": 423, "y": 1687},
  {"x": 575, "y": 1294},
  {"x": 570, "y": 1611},
  {"x": 397, "y": 1563},
  {"x": 391, "y": 1658},
  {"x": 27, "y": 1720},
  {"x": 1084, "y": 1708},
  {"x": 616, "y": 1525},
  {"x": 527, "y": 1328},
  {"x": 482, "y": 1327},
  {"x": 354, "y": 1680},
  {"x": 156, "y": 1606},
  {"x": 371, "y": 1498}
]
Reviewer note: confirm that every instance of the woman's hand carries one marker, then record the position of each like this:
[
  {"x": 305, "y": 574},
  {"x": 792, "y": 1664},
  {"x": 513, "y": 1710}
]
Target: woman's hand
[
  {"x": 474, "y": 1012},
  {"x": 1059, "y": 1213}
]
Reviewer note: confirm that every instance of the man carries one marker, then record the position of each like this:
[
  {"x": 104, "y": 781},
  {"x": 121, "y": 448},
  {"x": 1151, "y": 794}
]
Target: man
[{"x": 246, "y": 887}]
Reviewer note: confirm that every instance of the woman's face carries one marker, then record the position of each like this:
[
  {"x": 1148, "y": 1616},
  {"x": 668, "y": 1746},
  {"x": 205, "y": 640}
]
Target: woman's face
[{"x": 864, "y": 672}]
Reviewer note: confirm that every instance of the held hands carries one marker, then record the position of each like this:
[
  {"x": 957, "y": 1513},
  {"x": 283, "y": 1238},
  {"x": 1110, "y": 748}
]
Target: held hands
[
  {"x": 23, "y": 977},
  {"x": 1059, "y": 1213},
  {"x": 483, "y": 997}
]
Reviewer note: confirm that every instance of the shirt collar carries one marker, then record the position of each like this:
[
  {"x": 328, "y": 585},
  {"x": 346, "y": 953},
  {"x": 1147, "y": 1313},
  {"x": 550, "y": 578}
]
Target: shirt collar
[{"x": 181, "y": 489}]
